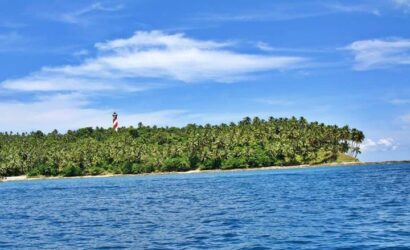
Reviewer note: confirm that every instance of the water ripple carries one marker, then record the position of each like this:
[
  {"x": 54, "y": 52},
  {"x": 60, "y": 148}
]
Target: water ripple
[{"x": 323, "y": 208}]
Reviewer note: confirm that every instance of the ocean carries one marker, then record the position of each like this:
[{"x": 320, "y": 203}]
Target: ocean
[{"x": 355, "y": 207}]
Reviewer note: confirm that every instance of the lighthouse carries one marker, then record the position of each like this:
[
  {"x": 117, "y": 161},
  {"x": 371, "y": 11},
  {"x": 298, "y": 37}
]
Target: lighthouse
[{"x": 115, "y": 121}]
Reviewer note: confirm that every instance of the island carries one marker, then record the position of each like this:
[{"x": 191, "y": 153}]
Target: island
[{"x": 250, "y": 143}]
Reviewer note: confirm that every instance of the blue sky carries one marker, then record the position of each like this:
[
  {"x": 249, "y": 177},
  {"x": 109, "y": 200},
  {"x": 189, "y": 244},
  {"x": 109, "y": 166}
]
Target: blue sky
[{"x": 70, "y": 64}]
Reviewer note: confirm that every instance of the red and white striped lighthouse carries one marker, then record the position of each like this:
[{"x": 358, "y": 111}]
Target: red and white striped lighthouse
[{"x": 115, "y": 121}]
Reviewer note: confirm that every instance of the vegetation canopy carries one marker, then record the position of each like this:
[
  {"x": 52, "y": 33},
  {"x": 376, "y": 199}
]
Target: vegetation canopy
[{"x": 249, "y": 143}]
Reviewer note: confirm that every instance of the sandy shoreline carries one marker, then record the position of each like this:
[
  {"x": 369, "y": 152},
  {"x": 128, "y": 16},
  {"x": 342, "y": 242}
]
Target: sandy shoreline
[{"x": 26, "y": 178}]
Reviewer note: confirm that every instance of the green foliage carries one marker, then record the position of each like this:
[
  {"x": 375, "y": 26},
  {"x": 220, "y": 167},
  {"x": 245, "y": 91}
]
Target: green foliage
[
  {"x": 210, "y": 164},
  {"x": 43, "y": 170},
  {"x": 34, "y": 173},
  {"x": 345, "y": 158},
  {"x": 175, "y": 164},
  {"x": 126, "y": 168},
  {"x": 234, "y": 162},
  {"x": 71, "y": 170},
  {"x": 249, "y": 143},
  {"x": 94, "y": 171}
]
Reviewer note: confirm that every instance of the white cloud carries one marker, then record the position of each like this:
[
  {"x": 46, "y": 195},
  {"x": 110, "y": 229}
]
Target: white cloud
[
  {"x": 77, "y": 16},
  {"x": 8, "y": 37},
  {"x": 158, "y": 55},
  {"x": 383, "y": 144},
  {"x": 145, "y": 60},
  {"x": 10, "y": 41},
  {"x": 380, "y": 53},
  {"x": 258, "y": 16},
  {"x": 362, "y": 8},
  {"x": 268, "y": 48},
  {"x": 154, "y": 55},
  {"x": 399, "y": 101},
  {"x": 58, "y": 82},
  {"x": 406, "y": 118},
  {"x": 157, "y": 39},
  {"x": 402, "y": 3},
  {"x": 274, "y": 101},
  {"x": 12, "y": 25},
  {"x": 290, "y": 10},
  {"x": 72, "y": 111},
  {"x": 81, "y": 53},
  {"x": 264, "y": 46},
  {"x": 48, "y": 112}
]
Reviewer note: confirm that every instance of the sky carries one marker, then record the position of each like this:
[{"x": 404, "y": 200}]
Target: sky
[{"x": 71, "y": 64}]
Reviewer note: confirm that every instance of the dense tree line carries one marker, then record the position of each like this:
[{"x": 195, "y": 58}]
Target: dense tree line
[{"x": 249, "y": 143}]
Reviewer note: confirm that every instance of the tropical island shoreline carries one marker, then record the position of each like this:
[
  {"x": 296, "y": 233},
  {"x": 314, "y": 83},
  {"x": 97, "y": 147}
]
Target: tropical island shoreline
[
  {"x": 199, "y": 171},
  {"x": 249, "y": 143}
]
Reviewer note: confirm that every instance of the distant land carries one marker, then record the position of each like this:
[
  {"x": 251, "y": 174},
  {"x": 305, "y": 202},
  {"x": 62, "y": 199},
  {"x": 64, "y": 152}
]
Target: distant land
[{"x": 248, "y": 144}]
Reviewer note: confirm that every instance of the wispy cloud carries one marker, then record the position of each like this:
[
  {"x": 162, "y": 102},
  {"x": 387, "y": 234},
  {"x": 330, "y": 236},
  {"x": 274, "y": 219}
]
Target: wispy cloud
[
  {"x": 366, "y": 8},
  {"x": 383, "y": 144},
  {"x": 398, "y": 101},
  {"x": 256, "y": 16},
  {"x": 278, "y": 13},
  {"x": 290, "y": 11},
  {"x": 10, "y": 41},
  {"x": 81, "y": 53},
  {"x": 7, "y": 38},
  {"x": 402, "y": 3},
  {"x": 264, "y": 46},
  {"x": 78, "y": 16},
  {"x": 122, "y": 63},
  {"x": 268, "y": 48},
  {"x": 44, "y": 81},
  {"x": 274, "y": 101},
  {"x": 405, "y": 118},
  {"x": 380, "y": 53},
  {"x": 11, "y": 24}
]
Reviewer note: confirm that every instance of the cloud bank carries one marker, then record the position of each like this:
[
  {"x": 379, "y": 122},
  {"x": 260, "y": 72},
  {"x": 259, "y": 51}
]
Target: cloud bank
[
  {"x": 63, "y": 94},
  {"x": 380, "y": 53},
  {"x": 72, "y": 111},
  {"x": 383, "y": 144},
  {"x": 402, "y": 3},
  {"x": 122, "y": 63}
]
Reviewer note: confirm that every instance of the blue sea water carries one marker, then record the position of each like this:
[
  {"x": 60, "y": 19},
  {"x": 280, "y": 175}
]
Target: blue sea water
[{"x": 360, "y": 207}]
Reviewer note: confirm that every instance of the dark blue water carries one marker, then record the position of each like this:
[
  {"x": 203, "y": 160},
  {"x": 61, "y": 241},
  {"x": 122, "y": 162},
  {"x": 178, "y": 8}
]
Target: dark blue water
[{"x": 361, "y": 207}]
